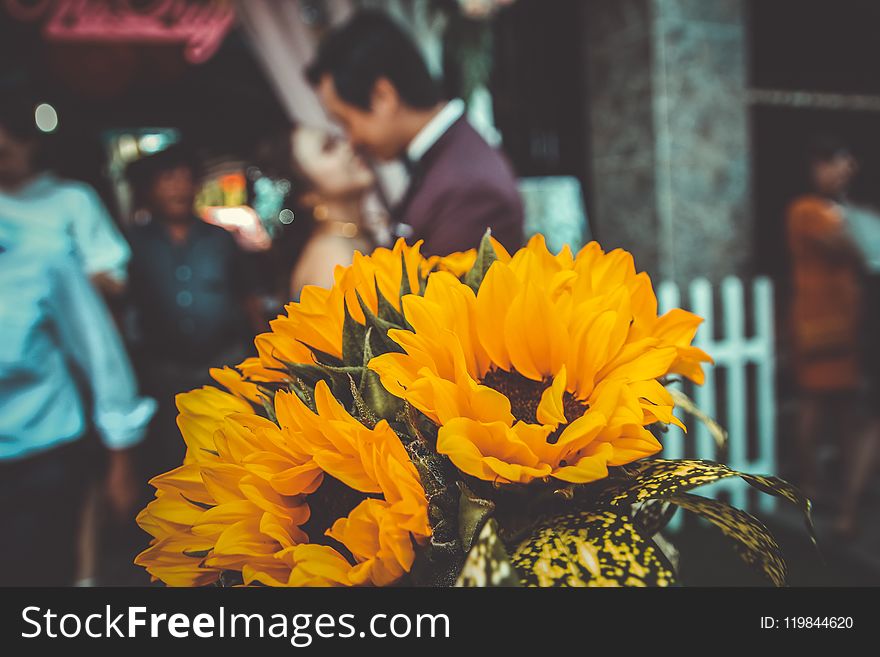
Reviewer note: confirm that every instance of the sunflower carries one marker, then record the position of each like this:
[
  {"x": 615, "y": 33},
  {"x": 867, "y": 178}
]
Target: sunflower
[
  {"x": 549, "y": 370},
  {"x": 309, "y": 470},
  {"x": 251, "y": 488},
  {"x": 315, "y": 322},
  {"x": 252, "y": 491},
  {"x": 238, "y": 498},
  {"x": 370, "y": 472},
  {"x": 460, "y": 262}
]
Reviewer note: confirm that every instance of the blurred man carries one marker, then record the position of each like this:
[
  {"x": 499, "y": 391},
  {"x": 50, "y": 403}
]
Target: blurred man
[
  {"x": 193, "y": 295},
  {"x": 372, "y": 79},
  {"x": 58, "y": 347},
  {"x": 53, "y": 206}
]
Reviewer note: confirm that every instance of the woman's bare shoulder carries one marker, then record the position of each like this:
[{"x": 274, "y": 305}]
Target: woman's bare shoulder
[{"x": 320, "y": 257}]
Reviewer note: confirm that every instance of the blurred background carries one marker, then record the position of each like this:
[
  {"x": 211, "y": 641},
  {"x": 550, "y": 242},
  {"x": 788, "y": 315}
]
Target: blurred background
[{"x": 680, "y": 130}]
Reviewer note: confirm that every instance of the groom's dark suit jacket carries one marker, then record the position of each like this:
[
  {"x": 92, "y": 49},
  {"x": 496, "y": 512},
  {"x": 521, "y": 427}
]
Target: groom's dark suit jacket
[{"x": 460, "y": 187}]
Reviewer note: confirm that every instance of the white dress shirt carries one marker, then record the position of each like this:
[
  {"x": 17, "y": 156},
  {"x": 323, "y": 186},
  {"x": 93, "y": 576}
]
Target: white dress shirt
[
  {"x": 56, "y": 332},
  {"x": 434, "y": 129},
  {"x": 66, "y": 206}
]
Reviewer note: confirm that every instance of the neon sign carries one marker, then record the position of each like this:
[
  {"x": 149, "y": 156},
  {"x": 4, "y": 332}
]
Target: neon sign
[{"x": 199, "y": 26}]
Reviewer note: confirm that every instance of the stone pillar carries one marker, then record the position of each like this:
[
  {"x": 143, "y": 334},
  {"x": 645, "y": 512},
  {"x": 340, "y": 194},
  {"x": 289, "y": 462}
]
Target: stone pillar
[{"x": 669, "y": 134}]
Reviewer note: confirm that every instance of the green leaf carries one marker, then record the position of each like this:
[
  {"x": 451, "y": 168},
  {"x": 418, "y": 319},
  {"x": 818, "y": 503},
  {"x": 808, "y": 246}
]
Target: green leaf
[
  {"x": 307, "y": 373},
  {"x": 306, "y": 376},
  {"x": 362, "y": 409},
  {"x": 344, "y": 371},
  {"x": 417, "y": 425},
  {"x": 383, "y": 404},
  {"x": 388, "y": 312},
  {"x": 322, "y": 357},
  {"x": 201, "y": 505},
  {"x": 754, "y": 543},
  {"x": 485, "y": 257},
  {"x": 661, "y": 478},
  {"x": 404, "y": 277},
  {"x": 473, "y": 511},
  {"x": 335, "y": 377},
  {"x": 652, "y": 516},
  {"x": 590, "y": 548},
  {"x": 487, "y": 562},
  {"x": 439, "y": 563},
  {"x": 689, "y": 406},
  {"x": 380, "y": 342},
  {"x": 269, "y": 407},
  {"x": 197, "y": 554},
  {"x": 229, "y": 578},
  {"x": 304, "y": 392},
  {"x": 781, "y": 488},
  {"x": 353, "y": 335}
]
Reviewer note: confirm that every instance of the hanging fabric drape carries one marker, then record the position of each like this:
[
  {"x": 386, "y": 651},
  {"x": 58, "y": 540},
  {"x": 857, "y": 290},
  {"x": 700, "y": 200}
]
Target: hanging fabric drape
[{"x": 284, "y": 43}]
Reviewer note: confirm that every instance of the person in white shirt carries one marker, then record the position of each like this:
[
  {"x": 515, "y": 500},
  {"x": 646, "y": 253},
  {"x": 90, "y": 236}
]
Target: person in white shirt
[
  {"x": 52, "y": 206},
  {"x": 57, "y": 205},
  {"x": 63, "y": 368}
]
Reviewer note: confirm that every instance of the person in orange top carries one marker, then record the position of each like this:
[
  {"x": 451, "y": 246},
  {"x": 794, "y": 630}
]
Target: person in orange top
[{"x": 826, "y": 311}]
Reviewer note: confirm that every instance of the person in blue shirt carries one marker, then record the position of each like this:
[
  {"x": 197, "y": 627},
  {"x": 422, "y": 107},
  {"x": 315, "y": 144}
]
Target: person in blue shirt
[
  {"x": 193, "y": 293},
  {"x": 63, "y": 369}
]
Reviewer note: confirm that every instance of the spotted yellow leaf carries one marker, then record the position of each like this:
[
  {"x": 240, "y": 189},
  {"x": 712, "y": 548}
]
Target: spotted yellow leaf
[
  {"x": 754, "y": 543},
  {"x": 590, "y": 548},
  {"x": 487, "y": 563}
]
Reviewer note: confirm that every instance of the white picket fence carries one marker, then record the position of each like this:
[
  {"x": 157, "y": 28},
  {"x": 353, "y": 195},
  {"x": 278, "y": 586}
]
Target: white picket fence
[{"x": 732, "y": 352}]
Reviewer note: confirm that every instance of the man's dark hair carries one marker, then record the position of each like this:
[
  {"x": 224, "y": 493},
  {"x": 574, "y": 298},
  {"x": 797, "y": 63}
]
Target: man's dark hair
[
  {"x": 824, "y": 148},
  {"x": 142, "y": 173},
  {"x": 368, "y": 47},
  {"x": 17, "y": 116}
]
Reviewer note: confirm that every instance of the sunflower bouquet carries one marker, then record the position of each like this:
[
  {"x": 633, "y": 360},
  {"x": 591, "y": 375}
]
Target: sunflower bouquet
[{"x": 480, "y": 419}]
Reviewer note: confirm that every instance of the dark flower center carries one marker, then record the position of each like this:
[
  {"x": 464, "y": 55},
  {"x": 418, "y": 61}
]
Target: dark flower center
[
  {"x": 525, "y": 395},
  {"x": 332, "y": 500}
]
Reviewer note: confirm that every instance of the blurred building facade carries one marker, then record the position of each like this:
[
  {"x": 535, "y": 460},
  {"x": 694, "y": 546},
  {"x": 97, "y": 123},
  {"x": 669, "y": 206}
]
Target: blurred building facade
[{"x": 669, "y": 130}]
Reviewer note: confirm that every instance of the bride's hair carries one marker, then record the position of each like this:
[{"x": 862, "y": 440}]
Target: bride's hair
[{"x": 274, "y": 157}]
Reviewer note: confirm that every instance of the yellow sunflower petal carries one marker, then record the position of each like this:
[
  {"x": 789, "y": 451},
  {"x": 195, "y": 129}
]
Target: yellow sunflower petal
[
  {"x": 590, "y": 466},
  {"x": 232, "y": 380},
  {"x": 396, "y": 371},
  {"x": 550, "y": 408},
  {"x": 202, "y": 412},
  {"x": 318, "y": 565},
  {"x": 493, "y": 303},
  {"x": 185, "y": 480},
  {"x": 486, "y": 450},
  {"x": 537, "y": 349},
  {"x": 636, "y": 443}
]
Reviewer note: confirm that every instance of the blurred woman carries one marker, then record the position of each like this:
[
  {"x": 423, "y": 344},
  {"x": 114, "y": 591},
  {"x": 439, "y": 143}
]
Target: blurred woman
[{"x": 329, "y": 186}]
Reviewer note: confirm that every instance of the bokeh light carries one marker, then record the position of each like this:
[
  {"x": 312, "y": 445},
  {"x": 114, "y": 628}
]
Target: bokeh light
[{"x": 46, "y": 117}]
